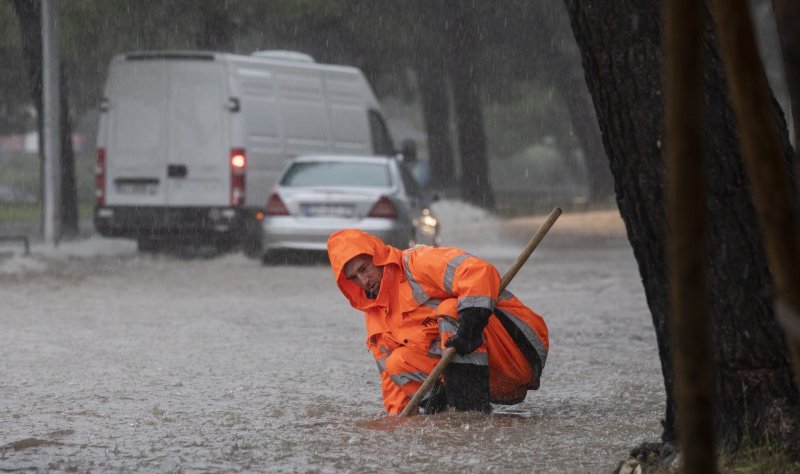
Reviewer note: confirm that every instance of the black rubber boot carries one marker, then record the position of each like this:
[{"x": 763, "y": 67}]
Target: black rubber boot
[
  {"x": 436, "y": 401},
  {"x": 467, "y": 387}
]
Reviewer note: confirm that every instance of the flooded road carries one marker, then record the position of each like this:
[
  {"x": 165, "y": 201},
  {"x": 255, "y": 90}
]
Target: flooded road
[{"x": 113, "y": 361}]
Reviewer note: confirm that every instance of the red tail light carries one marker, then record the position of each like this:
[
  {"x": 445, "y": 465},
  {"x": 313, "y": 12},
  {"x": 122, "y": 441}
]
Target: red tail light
[
  {"x": 100, "y": 177},
  {"x": 383, "y": 208},
  {"x": 275, "y": 206},
  {"x": 238, "y": 173}
]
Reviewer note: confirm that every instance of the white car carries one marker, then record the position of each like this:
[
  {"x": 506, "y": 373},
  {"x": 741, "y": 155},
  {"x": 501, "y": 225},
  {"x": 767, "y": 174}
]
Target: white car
[{"x": 318, "y": 195}]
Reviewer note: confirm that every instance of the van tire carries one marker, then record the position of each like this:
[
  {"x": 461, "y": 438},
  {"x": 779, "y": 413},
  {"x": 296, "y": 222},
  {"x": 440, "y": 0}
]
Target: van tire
[{"x": 145, "y": 245}]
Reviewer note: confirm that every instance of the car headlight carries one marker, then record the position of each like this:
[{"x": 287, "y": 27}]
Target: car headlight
[{"x": 429, "y": 221}]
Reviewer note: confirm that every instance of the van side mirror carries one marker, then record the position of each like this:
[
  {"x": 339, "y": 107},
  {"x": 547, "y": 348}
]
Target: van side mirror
[{"x": 409, "y": 150}]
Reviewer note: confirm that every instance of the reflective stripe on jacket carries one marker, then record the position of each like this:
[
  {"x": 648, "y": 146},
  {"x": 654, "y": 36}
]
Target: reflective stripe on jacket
[{"x": 419, "y": 287}]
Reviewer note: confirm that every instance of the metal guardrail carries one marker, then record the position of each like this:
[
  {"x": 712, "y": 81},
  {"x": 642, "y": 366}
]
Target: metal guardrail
[{"x": 22, "y": 238}]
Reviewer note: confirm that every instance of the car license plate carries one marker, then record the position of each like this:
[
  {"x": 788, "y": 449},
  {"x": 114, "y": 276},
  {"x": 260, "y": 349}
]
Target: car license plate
[{"x": 328, "y": 210}]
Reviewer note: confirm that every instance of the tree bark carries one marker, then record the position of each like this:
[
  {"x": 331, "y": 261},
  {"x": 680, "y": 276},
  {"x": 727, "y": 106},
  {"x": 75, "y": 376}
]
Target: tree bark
[
  {"x": 775, "y": 198},
  {"x": 462, "y": 34},
  {"x": 216, "y": 27},
  {"x": 432, "y": 78},
  {"x": 566, "y": 74},
  {"x": 620, "y": 46},
  {"x": 69, "y": 190},
  {"x": 30, "y": 19},
  {"x": 584, "y": 121},
  {"x": 787, "y": 17},
  {"x": 690, "y": 332}
]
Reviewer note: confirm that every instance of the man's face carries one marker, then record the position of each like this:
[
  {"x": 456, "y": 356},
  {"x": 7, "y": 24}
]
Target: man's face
[{"x": 363, "y": 273}]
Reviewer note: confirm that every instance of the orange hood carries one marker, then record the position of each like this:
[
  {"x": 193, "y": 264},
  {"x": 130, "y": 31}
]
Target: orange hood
[{"x": 346, "y": 244}]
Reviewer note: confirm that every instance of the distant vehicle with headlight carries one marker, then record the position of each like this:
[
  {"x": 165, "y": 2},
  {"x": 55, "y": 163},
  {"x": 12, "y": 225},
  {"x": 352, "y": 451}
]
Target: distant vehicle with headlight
[
  {"x": 191, "y": 142},
  {"x": 320, "y": 194}
]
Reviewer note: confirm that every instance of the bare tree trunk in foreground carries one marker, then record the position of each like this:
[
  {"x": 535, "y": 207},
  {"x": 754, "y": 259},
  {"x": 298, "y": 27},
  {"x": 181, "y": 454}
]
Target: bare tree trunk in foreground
[{"x": 623, "y": 61}]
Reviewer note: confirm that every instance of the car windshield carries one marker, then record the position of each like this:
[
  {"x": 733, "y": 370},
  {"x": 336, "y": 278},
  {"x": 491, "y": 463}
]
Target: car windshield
[{"x": 332, "y": 173}]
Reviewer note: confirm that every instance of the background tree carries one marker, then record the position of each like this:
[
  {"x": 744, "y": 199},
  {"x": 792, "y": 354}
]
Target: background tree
[
  {"x": 787, "y": 15},
  {"x": 620, "y": 44},
  {"x": 463, "y": 38},
  {"x": 29, "y": 15},
  {"x": 519, "y": 89},
  {"x": 15, "y": 96},
  {"x": 564, "y": 72},
  {"x": 430, "y": 45}
]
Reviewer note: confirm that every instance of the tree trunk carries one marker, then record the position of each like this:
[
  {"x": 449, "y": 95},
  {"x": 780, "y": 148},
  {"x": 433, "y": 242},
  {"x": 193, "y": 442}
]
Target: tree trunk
[
  {"x": 687, "y": 242},
  {"x": 566, "y": 74},
  {"x": 29, "y": 14},
  {"x": 462, "y": 34},
  {"x": 69, "y": 190},
  {"x": 432, "y": 77},
  {"x": 584, "y": 121},
  {"x": 620, "y": 45},
  {"x": 787, "y": 17},
  {"x": 774, "y": 196},
  {"x": 30, "y": 18},
  {"x": 216, "y": 27}
]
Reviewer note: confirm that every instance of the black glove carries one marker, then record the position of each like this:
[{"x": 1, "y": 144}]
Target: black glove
[{"x": 469, "y": 335}]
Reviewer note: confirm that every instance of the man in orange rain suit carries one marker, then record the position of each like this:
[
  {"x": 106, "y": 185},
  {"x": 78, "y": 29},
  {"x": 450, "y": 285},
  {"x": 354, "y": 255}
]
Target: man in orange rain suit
[{"x": 419, "y": 301}]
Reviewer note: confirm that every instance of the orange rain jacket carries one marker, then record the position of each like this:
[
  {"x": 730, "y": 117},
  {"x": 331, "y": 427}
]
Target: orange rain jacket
[{"x": 416, "y": 310}]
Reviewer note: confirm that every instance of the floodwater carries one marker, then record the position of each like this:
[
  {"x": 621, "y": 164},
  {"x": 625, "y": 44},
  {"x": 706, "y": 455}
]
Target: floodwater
[{"x": 113, "y": 361}]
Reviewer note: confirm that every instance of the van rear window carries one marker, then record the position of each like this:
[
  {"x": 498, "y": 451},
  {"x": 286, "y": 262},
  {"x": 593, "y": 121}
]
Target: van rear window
[{"x": 337, "y": 174}]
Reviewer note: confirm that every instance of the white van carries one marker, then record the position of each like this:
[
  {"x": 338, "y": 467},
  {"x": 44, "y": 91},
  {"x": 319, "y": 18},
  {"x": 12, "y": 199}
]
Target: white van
[{"x": 190, "y": 143}]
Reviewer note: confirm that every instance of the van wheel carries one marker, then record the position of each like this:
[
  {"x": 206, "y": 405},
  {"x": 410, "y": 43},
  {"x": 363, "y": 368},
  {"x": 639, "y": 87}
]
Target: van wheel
[
  {"x": 223, "y": 245},
  {"x": 146, "y": 245}
]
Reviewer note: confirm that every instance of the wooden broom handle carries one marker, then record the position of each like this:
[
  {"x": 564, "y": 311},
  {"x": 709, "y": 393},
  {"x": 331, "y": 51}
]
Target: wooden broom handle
[{"x": 413, "y": 405}]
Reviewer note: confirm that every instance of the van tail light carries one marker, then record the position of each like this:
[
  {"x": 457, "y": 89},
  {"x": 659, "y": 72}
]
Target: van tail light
[
  {"x": 238, "y": 173},
  {"x": 100, "y": 177},
  {"x": 383, "y": 208},
  {"x": 276, "y": 207}
]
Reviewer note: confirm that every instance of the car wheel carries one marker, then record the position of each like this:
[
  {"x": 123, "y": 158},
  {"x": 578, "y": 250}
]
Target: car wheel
[{"x": 223, "y": 245}]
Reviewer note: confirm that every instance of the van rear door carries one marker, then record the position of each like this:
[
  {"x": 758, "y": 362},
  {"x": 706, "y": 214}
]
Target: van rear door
[
  {"x": 137, "y": 133},
  {"x": 167, "y": 142},
  {"x": 198, "y": 168}
]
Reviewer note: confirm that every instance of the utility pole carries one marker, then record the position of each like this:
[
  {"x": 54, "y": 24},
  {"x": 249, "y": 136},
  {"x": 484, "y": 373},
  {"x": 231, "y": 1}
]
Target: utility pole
[{"x": 51, "y": 122}]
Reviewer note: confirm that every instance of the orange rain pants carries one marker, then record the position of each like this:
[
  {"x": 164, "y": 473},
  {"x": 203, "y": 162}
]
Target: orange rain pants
[{"x": 510, "y": 374}]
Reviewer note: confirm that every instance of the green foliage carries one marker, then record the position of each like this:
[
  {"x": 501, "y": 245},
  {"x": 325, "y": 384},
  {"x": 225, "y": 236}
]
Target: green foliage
[
  {"x": 537, "y": 167},
  {"x": 20, "y": 212},
  {"x": 28, "y": 212},
  {"x": 523, "y": 115},
  {"x": 14, "y": 93},
  {"x": 520, "y": 42},
  {"x": 765, "y": 458},
  {"x": 21, "y": 173}
]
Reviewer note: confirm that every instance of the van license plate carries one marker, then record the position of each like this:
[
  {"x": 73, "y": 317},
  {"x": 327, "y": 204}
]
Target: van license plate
[
  {"x": 328, "y": 210},
  {"x": 135, "y": 188}
]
